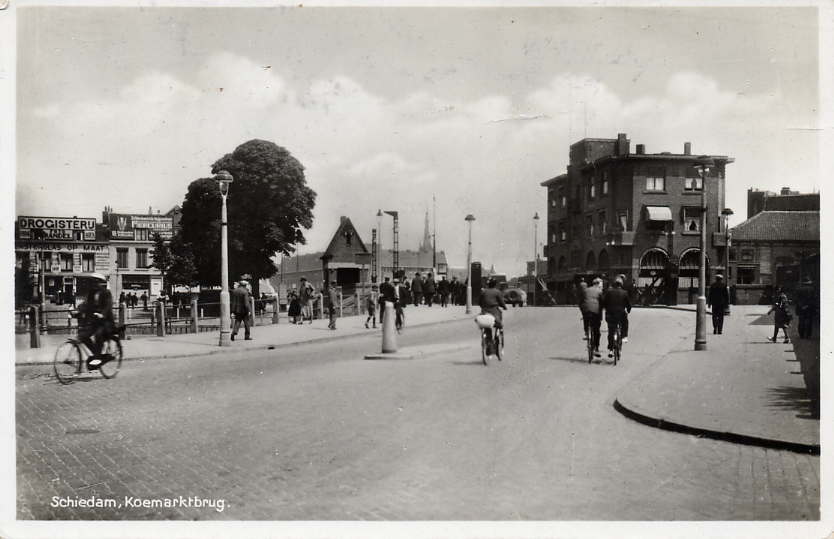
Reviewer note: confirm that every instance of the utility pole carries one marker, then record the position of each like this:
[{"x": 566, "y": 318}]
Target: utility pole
[{"x": 434, "y": 234}]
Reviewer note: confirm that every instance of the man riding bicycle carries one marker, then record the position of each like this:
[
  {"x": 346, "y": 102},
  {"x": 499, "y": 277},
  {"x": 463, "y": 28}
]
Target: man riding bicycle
[
  {"x": 491, "y": 302},
  {"x": 590, "y": 306},
  {"x": 95, "y": 317},
  {"x": 616, "y": 304}
]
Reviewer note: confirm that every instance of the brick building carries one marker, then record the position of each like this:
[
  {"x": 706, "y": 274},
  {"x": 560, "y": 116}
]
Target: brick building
[
  {"x": 785, "y": 200},
  {"x": 638, "y": 214}
]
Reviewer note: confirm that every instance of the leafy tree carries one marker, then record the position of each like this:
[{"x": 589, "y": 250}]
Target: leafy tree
[
  {"x": 175, "y": 260},
  {"x": 269, "y": 203}
]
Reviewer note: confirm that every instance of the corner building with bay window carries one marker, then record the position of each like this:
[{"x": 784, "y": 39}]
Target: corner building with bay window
[{"x": 639, "y": 214}]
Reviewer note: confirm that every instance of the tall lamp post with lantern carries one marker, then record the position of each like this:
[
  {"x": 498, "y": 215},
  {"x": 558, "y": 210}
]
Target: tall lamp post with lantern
[
  {"x": 469, "y": 218},
  {"x": 703, "y": 165},
  {"x": 224, "y": 179},
  {"x": 726, "y": 213},
  {"x": 535, "y": 255}
]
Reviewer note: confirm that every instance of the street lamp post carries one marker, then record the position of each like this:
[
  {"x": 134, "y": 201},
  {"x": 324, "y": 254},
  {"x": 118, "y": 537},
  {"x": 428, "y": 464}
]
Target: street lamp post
[
  {"x": 535, "y": 255},
  {"x": 703, "y": 165},
  {"x": 726, "y": 213},
  {"x": 379, "y": 278},
  {"x": 224, "y": 179},
  {"x": 469, "y": 218}
]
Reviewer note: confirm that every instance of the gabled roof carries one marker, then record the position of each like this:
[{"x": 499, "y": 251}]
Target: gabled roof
[
  {"x": 339, "y": 247},
  {"x": 780, "y": 226}
]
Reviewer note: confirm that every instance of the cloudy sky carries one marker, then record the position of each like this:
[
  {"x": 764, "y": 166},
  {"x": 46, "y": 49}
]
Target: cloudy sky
[{"x": 386, "y": 107}]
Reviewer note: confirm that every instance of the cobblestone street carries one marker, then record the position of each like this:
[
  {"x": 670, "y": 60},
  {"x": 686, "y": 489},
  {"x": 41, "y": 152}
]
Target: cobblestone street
[{"x": 315, "y": 432}]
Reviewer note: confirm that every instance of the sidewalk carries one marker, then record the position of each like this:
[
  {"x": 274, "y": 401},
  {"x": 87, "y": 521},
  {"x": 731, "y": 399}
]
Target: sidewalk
[
  {"x": 743, "y": 388},
  {"x": 263, "y": 337}
]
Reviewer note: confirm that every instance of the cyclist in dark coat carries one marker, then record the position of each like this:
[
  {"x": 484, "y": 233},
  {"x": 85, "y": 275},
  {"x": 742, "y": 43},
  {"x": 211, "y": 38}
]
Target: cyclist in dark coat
[
  {"x": 616, "y": 305},
  {"x": 95, "y": 315}
]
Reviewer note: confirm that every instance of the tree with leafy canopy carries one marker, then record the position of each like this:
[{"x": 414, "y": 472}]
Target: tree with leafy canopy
[
  {"x": 175, "y": 261},
  {"x": 269, "y": 203}
]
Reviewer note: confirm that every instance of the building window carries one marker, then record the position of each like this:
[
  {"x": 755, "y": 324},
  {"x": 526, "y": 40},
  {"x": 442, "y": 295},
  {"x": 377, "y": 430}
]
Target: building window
[
  {"x": 563, "y": 200},
  {"x": 603, "y": 223},
  {"x": 121, "y": 258},
  {"x": 732, "y": 255},
  {"x": 605, "y": 183},
  {"x": 592, "y": 189},
  {"x": 693, "y": 181},
  {"x": 141, "y": 234},
  {"x": 589, "y": 225},
  {"x": 563, "y": 232},
  {"x": 622, "y": 219},
  {"x": 746, "y": 255},
  {"x": 746, "y": 276},
  {"x": 655, "y": 179},
  {"x": 88, "y": 263},
  {"x": 141, "y": 258},
  {"x": 46, "y": 261},
  {"x": 66, "y": 262},
  {"x": 691, "y": 220}
]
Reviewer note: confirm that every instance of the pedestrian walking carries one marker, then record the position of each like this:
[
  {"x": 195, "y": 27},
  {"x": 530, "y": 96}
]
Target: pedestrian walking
[
  {"x": 417, "y": 288},
  {"x": 398, "y": 305},
  {"x": 370, "y": 303},
  {"x": 781, "y": 316},
  {"x": 429, "y": 289},
  {"x": 718, "y": 299},
  {"x": 807, "y": 308},
  {"x": 332, "y": 300},
  {"x": 240, "y": 309},
  {"x": 144, "y": 299},
  {"x": 443, "y": 290},
  {"x": 294, "y": 310}
]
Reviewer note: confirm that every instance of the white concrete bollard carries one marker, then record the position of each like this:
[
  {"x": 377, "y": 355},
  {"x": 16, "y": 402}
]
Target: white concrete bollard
[{"x": 389, "y": 333}]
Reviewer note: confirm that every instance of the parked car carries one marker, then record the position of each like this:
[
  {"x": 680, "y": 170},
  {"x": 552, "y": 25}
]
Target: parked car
[{"x": 515, "y": 297}]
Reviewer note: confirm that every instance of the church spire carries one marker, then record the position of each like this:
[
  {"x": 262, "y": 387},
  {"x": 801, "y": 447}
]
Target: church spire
[{"x": 425, "y": 245}]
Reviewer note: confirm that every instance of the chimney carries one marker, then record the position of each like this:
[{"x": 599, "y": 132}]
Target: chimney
[
  {"x": 622, "y": 144},
  {"x": 786, "y": 191},
  {"x": 687, "y": 148},
  {"x": 342, "y": 220},
  {"x": 641, "y": 149}
]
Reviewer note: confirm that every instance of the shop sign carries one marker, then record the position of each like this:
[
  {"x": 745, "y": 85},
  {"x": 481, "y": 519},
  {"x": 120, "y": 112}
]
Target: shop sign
[
  {"x": 102, "y": 260},
  {"x": 56, "y": 228},
  {"x": 63, "y": 247},
  {"x": 123, "y": 226}
]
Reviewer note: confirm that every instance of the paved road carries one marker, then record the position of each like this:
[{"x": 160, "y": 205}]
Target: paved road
[{"x": 314, "y": 432}]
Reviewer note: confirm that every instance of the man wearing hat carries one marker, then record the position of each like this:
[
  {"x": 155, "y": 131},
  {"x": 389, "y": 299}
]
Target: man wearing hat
[
  {"x": 240, "y": 309},
  {"x": 718, "y": 299},
  {"x": 305, "y": 298}
]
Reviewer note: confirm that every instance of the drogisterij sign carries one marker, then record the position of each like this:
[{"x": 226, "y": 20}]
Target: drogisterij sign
[{"x": 56, "y": 228}]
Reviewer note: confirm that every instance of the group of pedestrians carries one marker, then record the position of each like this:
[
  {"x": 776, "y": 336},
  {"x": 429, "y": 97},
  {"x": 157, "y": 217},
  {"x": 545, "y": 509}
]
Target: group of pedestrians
[
  {"x": 613, "y": 302},
  {"x": 426, "y": 290},
  {"x": 132, "y": 300},
  {"x": 806, "y": 307}
]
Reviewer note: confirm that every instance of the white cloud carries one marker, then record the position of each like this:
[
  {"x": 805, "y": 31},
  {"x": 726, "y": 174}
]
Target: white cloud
[{"x": 363, "y": 151}]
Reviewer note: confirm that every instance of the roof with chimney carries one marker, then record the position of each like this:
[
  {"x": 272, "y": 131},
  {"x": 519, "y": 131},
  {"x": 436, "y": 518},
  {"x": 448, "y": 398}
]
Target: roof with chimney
[{"x": 779, "y": 226}]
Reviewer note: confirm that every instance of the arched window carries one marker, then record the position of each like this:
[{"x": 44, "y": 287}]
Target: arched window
[
  {"x": 590, "y": 262},
  {"x": 602, "y": 261}
]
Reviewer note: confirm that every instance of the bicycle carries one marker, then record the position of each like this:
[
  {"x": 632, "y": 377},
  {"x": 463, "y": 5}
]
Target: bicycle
[
  {"x": 618, "y": 343},
  {"x": 486, "y": 322},
  {"x": 73, "y": 356}
]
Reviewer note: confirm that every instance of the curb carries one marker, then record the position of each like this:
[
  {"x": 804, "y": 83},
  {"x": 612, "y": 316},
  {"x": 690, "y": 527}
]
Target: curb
[
  {"x": 768, "y": 443},
  {"x": 407, "y": 354},
  {"x": 218, "y": 350}
]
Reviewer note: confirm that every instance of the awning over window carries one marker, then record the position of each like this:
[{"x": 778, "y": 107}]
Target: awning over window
[{"x": 658, "y": 213}]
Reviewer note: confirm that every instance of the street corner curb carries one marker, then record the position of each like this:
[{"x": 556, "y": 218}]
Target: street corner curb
[
  {"x": 389, "y": 355},
  {"x": 725, "y": 436}
]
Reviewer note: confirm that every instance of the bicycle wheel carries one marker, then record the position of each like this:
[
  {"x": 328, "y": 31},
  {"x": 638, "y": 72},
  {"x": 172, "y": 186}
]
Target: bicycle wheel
[
  {"x": 111, "y": 353},
  {"x": 499, "y": 344},
  {"x": 67, "y": 362},
  {"x": 483, "y": 346}
]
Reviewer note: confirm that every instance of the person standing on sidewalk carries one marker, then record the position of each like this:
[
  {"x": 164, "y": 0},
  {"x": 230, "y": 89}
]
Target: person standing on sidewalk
[
  {"x": 240, "y": 309},
  {"x": 443, "y": 290},
  {"x": 718, "y": 299},
  {"x": 807, "y": 298},
  {"x": 371, "y": 305},
  {"x": 429, "y": 289},
  {"x": 305, "y": 297},
  {"x": 580, "y": 299},
  {"x": 332, "y": 300},
  {"x": 416, "y": 288},
  {"x": 781, "y": 316}
]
